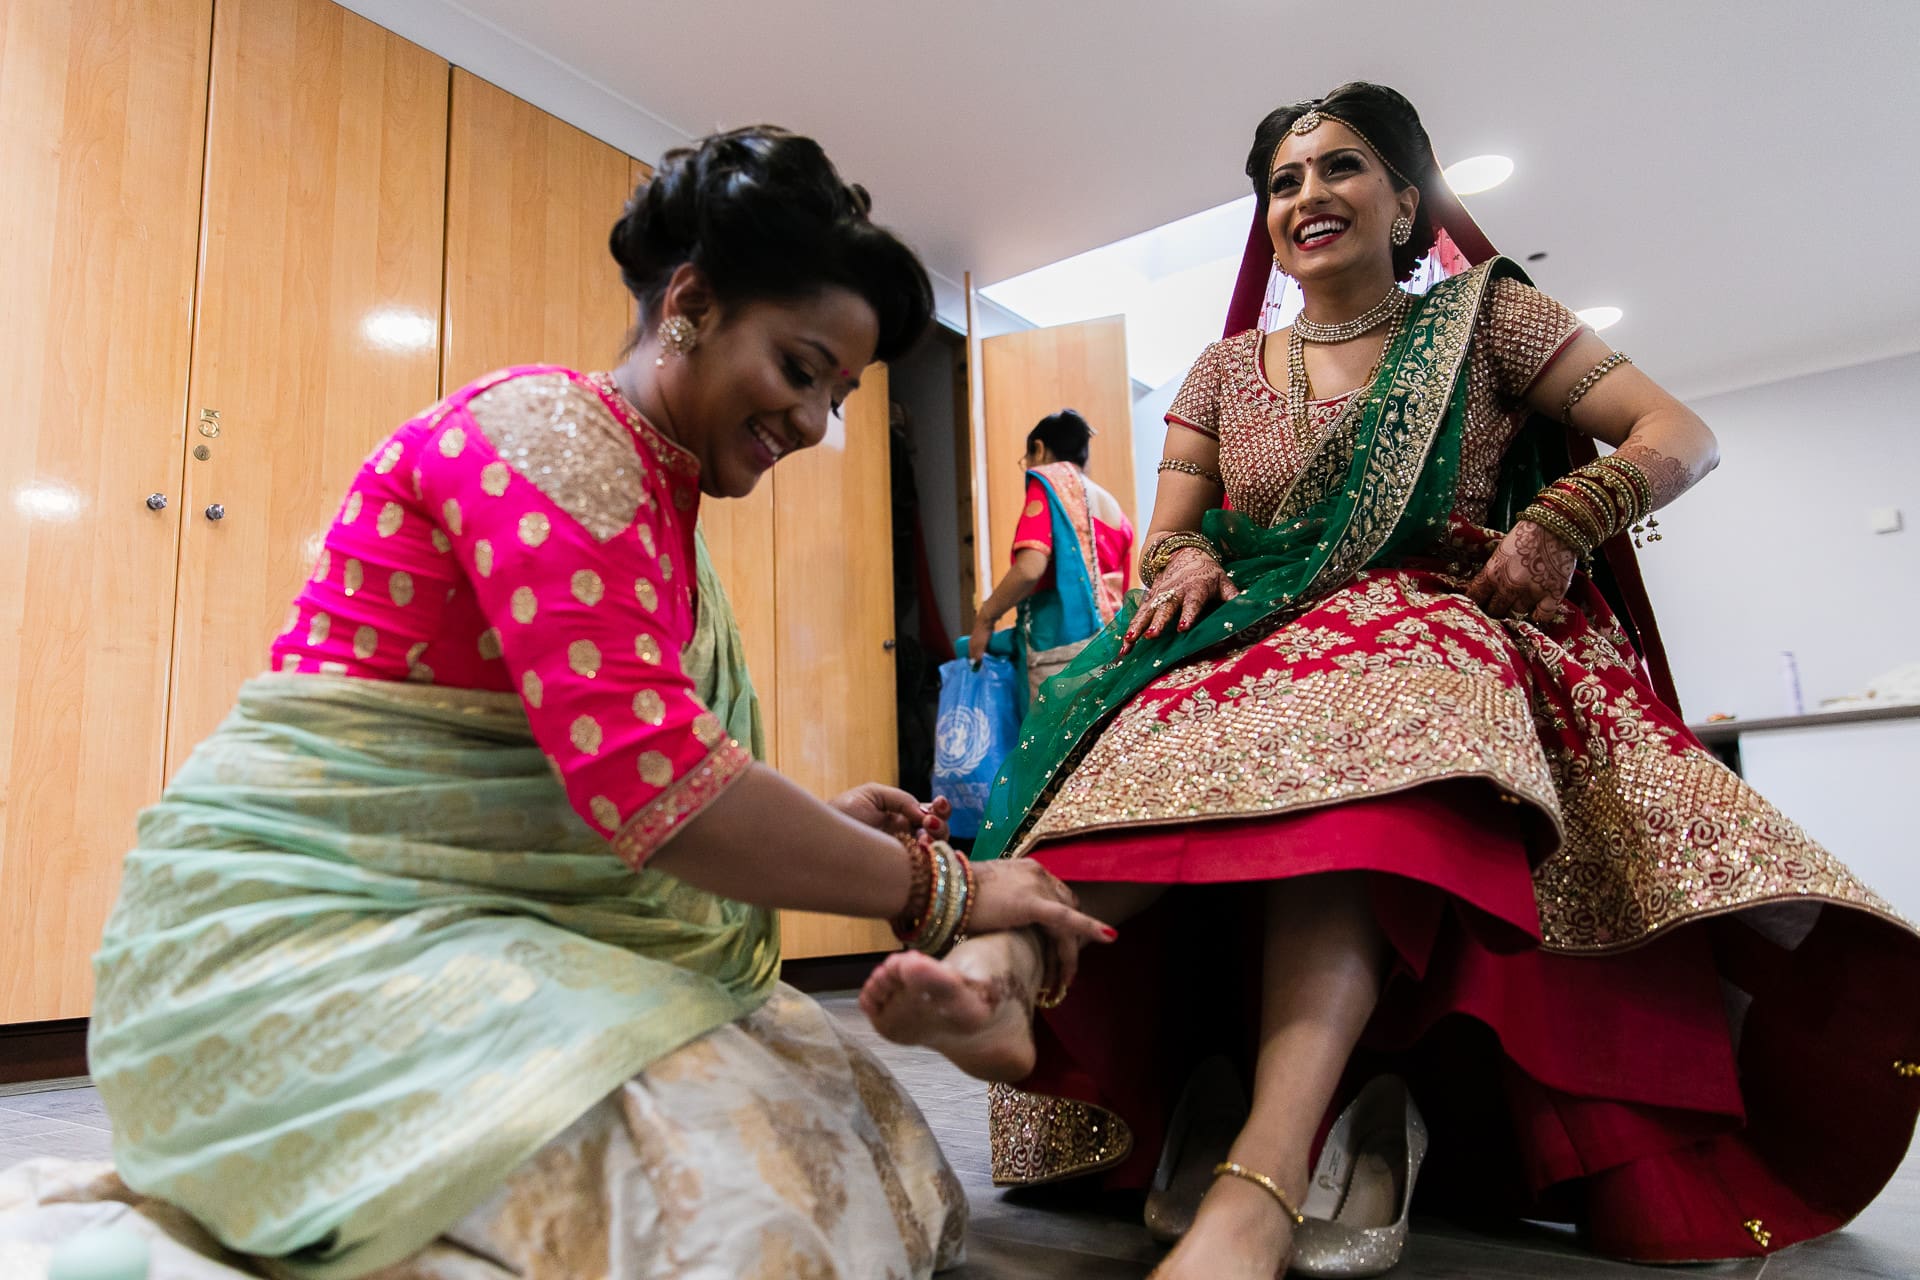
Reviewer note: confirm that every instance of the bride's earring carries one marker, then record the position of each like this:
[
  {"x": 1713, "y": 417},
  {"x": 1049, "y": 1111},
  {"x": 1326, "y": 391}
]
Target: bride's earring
[{"x": 1401, "y": 231}]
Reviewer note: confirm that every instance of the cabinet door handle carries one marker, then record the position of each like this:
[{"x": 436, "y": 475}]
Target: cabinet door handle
[
  {"x": 888, "y": 645},
  {"x": 216, "y": 512},
  {"x": 156, "y": 502}
]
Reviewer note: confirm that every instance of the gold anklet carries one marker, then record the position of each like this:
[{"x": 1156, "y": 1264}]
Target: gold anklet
[{"x": 1261, "y": 1181}]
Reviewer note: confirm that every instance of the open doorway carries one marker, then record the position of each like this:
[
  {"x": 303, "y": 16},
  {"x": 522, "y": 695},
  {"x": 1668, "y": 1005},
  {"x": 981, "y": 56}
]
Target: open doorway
[{"x": 933, "y": 541}]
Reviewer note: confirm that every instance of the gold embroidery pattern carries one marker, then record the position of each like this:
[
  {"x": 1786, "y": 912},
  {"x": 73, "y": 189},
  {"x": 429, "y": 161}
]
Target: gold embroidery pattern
[
  {"x": 1227, "y": 395},
  {"x": 1275, "y": 744},
  {"x": 671, "y": 457},
  {"x": 653, "y": 825},
  {"x": 1037, "y": 1138},
  {"x": 1658, "y": 837},
  {"x": 1421, "y": 388},
  {"x": 561, "y": 438}
]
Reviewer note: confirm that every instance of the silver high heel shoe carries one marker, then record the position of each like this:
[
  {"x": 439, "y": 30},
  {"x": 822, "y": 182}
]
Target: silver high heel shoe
[
  {"x": 1205, "y": 1122},
  {"x": 1355, "y": 1214}
]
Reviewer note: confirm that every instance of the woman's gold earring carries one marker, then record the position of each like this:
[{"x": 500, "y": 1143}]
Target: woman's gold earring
[
  {"x": 1401, "y": 231},
  {"x": 678, "y": 336}
]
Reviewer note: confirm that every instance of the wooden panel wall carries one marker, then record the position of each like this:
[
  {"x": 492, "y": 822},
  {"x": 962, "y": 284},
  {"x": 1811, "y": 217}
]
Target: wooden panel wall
[
  {"x": 1032, "y": 373},
  {"x": 318, "y": 319},
  {"x": 833, "y": 601},
  {"x": 102, "y": 112},
  {"x": 530, "y": 200}
]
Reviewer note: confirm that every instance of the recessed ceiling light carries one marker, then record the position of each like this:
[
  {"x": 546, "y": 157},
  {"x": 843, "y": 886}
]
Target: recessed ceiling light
[
  {"x": 1475, "y": 174},
  {"x": 1598, "y": 318}
]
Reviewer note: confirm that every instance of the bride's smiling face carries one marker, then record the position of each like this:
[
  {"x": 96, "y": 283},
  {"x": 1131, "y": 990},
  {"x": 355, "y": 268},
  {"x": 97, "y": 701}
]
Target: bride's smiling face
[{"x": 1331, "y": 204}]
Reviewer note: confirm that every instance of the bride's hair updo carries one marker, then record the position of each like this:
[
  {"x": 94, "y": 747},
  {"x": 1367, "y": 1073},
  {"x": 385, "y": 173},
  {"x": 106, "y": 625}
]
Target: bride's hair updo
[
  {"x": 764, "y": 215},
  {"x": 1390, "y": 126}
]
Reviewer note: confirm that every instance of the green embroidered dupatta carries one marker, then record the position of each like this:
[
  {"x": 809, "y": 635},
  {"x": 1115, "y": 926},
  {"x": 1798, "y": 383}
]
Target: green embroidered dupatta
[
  {"x": 366, "y": 961},
  {"x": 1381, "y": 484}
]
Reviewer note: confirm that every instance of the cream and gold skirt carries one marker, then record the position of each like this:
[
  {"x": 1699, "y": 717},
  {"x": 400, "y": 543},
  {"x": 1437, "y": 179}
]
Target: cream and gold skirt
[{"x": 773, "y": 1148}]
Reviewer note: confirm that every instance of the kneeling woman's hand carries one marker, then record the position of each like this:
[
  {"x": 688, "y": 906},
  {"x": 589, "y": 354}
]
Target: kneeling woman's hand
[
  {"x": 1017, "y": 892},
  {"x": 893, "y": 811}
]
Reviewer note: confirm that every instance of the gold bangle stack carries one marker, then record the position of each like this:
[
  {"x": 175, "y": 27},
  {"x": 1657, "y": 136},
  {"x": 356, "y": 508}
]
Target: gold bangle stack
[
  {"x": 1161, "y": 553},
  {"x": 1591, "y": 504},
  {"x": 1589, "y": 380},
  {"x": 1186, "y": 468},
  {"x": 939, "y": 901}
]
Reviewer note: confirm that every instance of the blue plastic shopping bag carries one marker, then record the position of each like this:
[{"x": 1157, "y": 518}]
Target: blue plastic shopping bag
[{"x": 976, "y": 728}]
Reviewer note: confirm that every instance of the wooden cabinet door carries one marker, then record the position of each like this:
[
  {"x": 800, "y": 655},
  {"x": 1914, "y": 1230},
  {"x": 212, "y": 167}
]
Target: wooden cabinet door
[
  {"x": 1034, "y": 372},
  {"x": 102, "y": 116},
  {"x": 318, "y": 326},
  {"x": 739, "y": 535},
  {"x": 833, "y": 610},
  {"x": 530, "y": 201}
]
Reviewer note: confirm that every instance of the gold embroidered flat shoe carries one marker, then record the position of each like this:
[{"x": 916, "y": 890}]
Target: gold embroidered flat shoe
[
  {"x": 1354, "y": 1219},
  {"x": 1208, "y": 1118}
]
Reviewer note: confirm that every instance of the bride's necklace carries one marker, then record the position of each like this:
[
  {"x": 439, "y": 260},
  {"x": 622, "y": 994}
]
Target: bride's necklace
[
  {"x": 1396, "y": 301},
  {"x": 1300, "y": 392}
]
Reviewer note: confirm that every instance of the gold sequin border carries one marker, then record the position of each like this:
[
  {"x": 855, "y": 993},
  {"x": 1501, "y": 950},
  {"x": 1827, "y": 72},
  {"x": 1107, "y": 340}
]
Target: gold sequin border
[
  {"x": 1038, "y": 1138},
  {"x": 663, "y": 816}
]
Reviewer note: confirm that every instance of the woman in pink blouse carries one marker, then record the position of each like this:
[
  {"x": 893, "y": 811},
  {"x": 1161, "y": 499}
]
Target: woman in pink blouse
[
  {"x": 1072, "y": 555},
  {"x": 458, "y": 936}
]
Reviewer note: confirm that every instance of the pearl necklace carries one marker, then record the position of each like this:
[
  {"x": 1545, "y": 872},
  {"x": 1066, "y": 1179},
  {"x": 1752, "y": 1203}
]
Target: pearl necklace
[{"x": 1389, "y": 307}]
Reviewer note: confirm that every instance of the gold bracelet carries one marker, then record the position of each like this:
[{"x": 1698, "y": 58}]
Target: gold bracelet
[
  {"x": 1186, "y": 468},
  {"x": 1628, "y": 469},
  {"x": 1601, "y": 499},
  {"x": 1594, "y": 527},
  {"x": 1586, "y": 383},
  {"x": 1161, "y": 553},
  {"x": 1619, "y": 491},
  {"x": 1558, "y": 526}
]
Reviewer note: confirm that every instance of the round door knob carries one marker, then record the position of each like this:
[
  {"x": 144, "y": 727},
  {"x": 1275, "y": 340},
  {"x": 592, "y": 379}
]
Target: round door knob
[
  {"x": 216, "y": 512},
  {"x": 888, "y": 645},
  {"x": 156, "y": 502}
]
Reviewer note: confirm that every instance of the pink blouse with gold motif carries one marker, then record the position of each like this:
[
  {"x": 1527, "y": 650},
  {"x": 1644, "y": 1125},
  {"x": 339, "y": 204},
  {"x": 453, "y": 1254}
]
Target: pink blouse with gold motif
[{"x": 533, "y": 533}]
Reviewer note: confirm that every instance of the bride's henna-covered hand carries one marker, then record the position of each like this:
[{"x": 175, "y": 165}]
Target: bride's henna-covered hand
[
  {"x": 1527, "y": 575},
  {"x": 1192, "y": 581}
]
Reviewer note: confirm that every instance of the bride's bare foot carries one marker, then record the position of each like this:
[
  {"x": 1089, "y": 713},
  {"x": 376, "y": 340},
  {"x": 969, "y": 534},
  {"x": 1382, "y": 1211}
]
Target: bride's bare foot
[
  {"x": 1240, "y": 1233},
  {"x": 975, "y": 1007}
]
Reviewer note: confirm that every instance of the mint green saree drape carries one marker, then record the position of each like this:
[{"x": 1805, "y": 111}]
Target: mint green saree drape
[{"x": 366, "y": 961}]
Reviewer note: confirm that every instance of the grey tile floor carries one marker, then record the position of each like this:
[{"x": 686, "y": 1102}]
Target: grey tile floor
[{"x": 1012, "y": 1240}]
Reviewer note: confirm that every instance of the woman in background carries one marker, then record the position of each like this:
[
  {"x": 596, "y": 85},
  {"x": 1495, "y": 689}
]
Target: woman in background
[
  {"x": 1072, "y": 556},
  {"x": 453, "y": 950}
]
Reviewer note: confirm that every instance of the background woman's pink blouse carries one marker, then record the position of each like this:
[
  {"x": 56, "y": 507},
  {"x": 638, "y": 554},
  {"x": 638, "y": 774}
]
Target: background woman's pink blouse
[
  {"x": 533, "y": 533},
  {"x": 1112, "y": 544}
]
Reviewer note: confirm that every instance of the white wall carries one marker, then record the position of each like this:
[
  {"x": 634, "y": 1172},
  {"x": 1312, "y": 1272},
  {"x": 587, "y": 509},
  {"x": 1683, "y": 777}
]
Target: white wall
[
  {"x": 1149, "y": 444},
  {"x": 1773, "y": 550},
  {"x": 1851, "y": 787}
]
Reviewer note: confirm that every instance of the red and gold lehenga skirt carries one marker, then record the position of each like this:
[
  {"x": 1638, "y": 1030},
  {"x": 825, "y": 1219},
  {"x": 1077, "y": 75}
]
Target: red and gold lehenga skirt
[{"x": 1627, "y": 992}]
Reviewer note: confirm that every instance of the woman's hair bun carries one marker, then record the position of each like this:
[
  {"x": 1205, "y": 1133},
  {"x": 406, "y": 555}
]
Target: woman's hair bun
[{"x": 763, "y": 214}]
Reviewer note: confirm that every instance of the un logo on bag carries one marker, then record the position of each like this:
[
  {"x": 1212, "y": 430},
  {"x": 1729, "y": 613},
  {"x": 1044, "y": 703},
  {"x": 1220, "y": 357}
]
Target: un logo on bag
[{"x": 961, "y": 740}]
